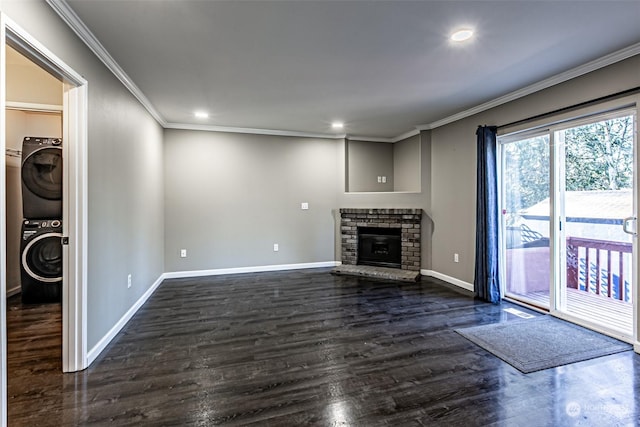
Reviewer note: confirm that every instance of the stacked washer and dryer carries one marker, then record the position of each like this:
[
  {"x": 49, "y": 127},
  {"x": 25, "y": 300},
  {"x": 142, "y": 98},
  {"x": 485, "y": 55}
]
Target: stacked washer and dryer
[{"x": 41, "y": 234}]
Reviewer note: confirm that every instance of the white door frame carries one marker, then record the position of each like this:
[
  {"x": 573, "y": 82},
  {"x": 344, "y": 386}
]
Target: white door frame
[
  {"x": 550, "y": 126},
  {"x": 74, "y": 294},
  {"x": 558, "y": 298}
]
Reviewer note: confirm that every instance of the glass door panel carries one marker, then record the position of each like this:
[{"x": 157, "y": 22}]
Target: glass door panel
[
  {"x": 597, "y": 195},
  {"x": 525, "y": 219}
]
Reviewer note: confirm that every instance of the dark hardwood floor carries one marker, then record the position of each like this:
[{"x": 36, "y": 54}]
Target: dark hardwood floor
[{"x": 305, "y": 348}]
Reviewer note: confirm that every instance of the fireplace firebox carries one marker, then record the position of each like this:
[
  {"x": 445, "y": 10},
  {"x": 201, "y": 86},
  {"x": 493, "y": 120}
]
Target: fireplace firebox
[
  {"x": 407, "y": 222},
  {"x": 380, "y": 247}
]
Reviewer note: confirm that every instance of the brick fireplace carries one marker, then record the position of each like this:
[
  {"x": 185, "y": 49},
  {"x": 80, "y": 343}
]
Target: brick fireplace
[{"x": 407, "y": 220}]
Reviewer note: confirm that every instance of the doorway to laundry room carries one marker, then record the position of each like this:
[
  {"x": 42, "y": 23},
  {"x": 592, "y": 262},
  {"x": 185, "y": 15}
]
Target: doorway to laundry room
[
  {"x": 33, "y": 219},
  {"x": 74, "y": 95}
]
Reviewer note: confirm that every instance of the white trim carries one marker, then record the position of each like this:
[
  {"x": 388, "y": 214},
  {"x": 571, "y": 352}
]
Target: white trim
[
  {"x": 105, "y": 340},
  {"x": 597, "y": 64},
  {"x": 256, "y": 269},
  {"x": 13, "y": 291},
  {"x": 369, "y": 139},
  {"x": 393, "y": 140},
  {"x": 75, "y": 116},
  {"x": 3, "y": 238},
  {"x": 253, "y": 131},
  {"x": 75, "y": 23},
  {"x": 39, "y": 53},
  {"x": 75, "y": 226},
  {"x": 602, "y": 62},
  {"x": 614, "y": 333},
  {"x": 30, "y": 106},
  {"x": 381, "y": 192},
  {"x": 109, "y": 336},
  {"x": 452, "y": 280},
  {"x": 406, "y": 135},
  {"x": 636, "y": 347}
]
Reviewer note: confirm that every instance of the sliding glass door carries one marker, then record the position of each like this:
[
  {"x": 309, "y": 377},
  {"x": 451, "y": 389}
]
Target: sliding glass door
[
  {"x": 568, "y": 219},
  {"x": 525, "y": 218},
  {"x": 596, "y": 195}
]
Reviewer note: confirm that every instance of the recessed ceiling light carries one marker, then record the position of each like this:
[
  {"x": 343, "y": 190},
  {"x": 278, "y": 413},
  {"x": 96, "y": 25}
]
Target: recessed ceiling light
[
  {"x": 462, "y": 35},
  {"x": 337, "y": 125},
  {"x": 201, "y": 115}
]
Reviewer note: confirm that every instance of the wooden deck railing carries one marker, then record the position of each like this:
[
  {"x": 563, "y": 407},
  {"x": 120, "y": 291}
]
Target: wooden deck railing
[{"x": 602, "y": 280}]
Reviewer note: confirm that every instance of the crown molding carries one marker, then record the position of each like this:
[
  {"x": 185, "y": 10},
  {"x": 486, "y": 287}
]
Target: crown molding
[
  {"x": 369, "y": 139},
  {"x": 254, "y": 131},
  {"x": 594, "y": 65},
  {"x": 75, "y": 23},
  {"x": 406, "y": 135},
  {"x": 393, "y": 140}
]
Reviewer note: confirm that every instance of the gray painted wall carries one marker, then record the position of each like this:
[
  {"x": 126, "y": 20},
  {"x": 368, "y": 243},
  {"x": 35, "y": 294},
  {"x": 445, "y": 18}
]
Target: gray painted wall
[
  {"x": 366, "y": 162},
  {"x": 125, "y": 182},
  {"x": 227, "y": 198},
  {"x": 230, "y": 197},
  {"x": 406, "y": 164},
  {"x": 421, "y": 200},
  {"x": 454, "y": 159},
  {"x": 399, "y": 163}
]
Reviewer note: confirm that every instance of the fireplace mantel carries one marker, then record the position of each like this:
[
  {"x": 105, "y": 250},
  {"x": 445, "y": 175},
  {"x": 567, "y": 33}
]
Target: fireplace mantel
[{"x": 409, "y": 220}]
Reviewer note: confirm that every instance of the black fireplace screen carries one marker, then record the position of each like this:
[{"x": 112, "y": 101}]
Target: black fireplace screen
[{"x": 379, "y": 247}]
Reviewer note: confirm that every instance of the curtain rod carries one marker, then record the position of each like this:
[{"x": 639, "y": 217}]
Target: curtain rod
[{"x": 573, "y": 107}]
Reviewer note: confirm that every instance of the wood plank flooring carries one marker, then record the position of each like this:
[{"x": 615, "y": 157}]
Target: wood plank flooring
[{"x": 305, "y": 348}]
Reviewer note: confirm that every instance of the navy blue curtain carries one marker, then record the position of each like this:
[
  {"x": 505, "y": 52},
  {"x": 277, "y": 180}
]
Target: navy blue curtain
[{"x": 486, "y": 282}]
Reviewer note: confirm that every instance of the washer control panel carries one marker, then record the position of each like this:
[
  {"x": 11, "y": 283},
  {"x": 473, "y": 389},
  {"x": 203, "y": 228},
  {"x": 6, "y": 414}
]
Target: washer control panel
[
  {"x": 33, "y": 226},
  {"x": 42, "y": 141}
]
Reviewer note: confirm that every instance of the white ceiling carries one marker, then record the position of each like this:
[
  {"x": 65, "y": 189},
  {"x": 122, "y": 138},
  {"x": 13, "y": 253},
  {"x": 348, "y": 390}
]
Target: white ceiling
[{"x": 382, "y": 67}]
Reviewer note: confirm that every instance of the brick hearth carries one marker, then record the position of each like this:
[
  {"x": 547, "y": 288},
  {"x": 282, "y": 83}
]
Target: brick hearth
[{"x": 406, "y": 219}]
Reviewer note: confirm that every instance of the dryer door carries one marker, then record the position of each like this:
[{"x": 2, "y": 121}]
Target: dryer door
[
  {"x": 42, "y": 258},
  {"x": 42, "y": 173}
]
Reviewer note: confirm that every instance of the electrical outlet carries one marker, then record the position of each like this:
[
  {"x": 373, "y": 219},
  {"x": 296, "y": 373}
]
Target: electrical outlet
[
  {"x": 384, "y": 179},
  {"x": 276, "y": 248},
  {"x": 379, "y": 180},
  {"x": 456, "y": 258},
  {"x": 128, "y": 281},
  {"x": 304, "y": 206},
  {"x": 183, "y": 253}
]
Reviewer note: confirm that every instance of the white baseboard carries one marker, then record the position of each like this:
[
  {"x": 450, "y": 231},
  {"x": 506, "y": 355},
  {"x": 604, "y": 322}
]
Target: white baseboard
[
  {"x": 452, "y": 280},
  {"x": 636, "y": 347},
  {"x": 256, "y": 269},
  {"x": 105, "y": 340},
  {"x": 13, "y": 291},
  {"x": 102, "y": 344}
]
